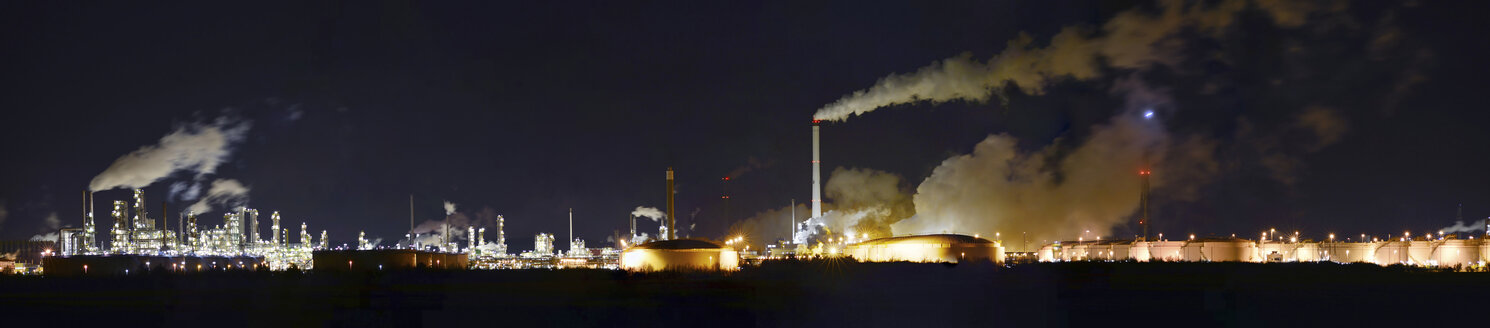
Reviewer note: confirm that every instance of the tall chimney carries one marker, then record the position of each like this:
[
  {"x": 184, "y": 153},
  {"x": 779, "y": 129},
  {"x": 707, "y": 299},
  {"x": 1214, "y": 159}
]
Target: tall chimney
[
  {"x": 817, "y": 176},
  {"x": 671, "y": 220},
  {"x": 1143, "y": 199},
  {"x": 571, "y": 229}
]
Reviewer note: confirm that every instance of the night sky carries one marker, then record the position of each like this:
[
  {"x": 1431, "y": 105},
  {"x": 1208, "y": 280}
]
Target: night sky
[{"x": 530, "y": 109}]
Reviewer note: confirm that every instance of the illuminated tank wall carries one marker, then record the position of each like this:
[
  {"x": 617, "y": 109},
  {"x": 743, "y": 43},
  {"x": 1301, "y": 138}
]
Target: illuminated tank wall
[
  {"x": 927, "y": 248},
  {"x": 1441, "y": 252},
  {"x": 386, "y": 259},
  {"x": 684, "y": 254}
]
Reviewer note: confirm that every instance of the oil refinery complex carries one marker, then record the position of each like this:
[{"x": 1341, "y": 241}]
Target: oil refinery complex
[{"x": 138, "y": 242}]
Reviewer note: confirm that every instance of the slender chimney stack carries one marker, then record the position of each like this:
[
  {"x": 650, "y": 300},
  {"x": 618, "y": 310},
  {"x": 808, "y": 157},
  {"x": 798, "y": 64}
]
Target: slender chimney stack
[
  {"x": 1143, "y": 199},
  {"x": 817, "y": 176},
  {"x": 571, "y": 229},
  {"x": 671, "y": 219}
]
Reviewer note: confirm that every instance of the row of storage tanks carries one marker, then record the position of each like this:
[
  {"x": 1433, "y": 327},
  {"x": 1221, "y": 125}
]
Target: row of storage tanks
[
  {"x": 691, "y": 254},
  {"x": 1421, "y": 252}
]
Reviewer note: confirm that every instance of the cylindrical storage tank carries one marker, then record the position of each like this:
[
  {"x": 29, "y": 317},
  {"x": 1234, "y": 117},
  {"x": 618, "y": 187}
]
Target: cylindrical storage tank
[
  {"x": 1307, "y": 252},
  {"x": 1167, "y": 250},
  {"x": 1455, "y": 252},
  {"x": 687, "y": 254},
  {"x": 1120, "y": 251},
  {"x": 1047, "y": 253},
  {"x": 1391, "y": 252},
  {"x": 1420, "y": 252},
  {"x": 950, "y": 248},
  {"x": 1220, "y": 250},
  {"x": 1139, "y": 251},
  {"x": 1347, "y": 252},
  {"x": 1272, "y": 251}
]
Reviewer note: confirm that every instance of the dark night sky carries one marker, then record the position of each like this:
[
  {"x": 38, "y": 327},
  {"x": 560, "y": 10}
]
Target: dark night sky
[{"x": 533, "y": 108}]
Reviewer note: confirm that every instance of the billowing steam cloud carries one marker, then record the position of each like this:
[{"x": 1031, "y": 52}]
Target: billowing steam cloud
[
  {"x": 649, "y": 212},
  {"x": 999, "y": 188},
  {"x": 228, "y": 193},
  {"x": 449, "y": 208},
  {"x": 1131, "y": 40},
  {"x": 196, "y": 148}
]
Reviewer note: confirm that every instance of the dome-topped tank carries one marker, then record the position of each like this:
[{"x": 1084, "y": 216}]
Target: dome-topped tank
[
  {"x": 687, "y": 254},
  {"x": 927, "y": 248}
]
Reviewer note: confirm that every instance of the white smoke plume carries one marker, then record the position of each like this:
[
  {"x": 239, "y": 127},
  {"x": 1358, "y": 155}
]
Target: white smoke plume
[
  {"x": 195, "y": 147},
  {"x": 449, "y": 208},
  {"x": 1459, "y": 226},
  {"x": 649, "y": 212},
  {"x": 1095, "y": 186},
  {"x": 1132, "y": 40},
  {"x": 228, "y": 193},
  {"x": 50, "y": 225}
]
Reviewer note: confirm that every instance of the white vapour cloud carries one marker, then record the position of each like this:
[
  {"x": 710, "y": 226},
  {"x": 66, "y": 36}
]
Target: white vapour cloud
[
  {"x": 649, "y": 212},
  {"x": 50, "y": 224},
  {"x": 227, "y": 193},
  {"x": 1131, "y": 40},
  {"x": 999, "y": 188},
  {"x": 195, "y": 147},
  {"x": 1459, "y": 226},
  {"x": 449, "y": 208}
]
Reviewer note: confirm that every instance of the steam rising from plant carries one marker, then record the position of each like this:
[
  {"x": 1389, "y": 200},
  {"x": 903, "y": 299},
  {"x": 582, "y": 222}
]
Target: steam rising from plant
[
  {"x": 227, "y": 193},
  {"x": 196, "y": 148},
  {"x": 649, "y": 212},
  {"x": 1132, "y": 40}
]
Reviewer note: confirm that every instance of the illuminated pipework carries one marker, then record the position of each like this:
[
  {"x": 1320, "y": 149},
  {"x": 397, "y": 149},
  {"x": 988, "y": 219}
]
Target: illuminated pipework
[
  {"x": 322, "y": 244},
  {"x": 471, "y": 238},
  {"x": 304, "y": 236},
  {"x": 120, "y": 242},
  {"x": 274, "y": 219}
]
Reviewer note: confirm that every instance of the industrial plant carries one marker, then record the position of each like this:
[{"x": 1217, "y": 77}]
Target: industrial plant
[{"x": 138, "y": 241}]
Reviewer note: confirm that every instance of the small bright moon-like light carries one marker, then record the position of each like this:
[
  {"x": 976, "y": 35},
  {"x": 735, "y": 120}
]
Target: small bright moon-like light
[{"x": 1148, "y": 114}]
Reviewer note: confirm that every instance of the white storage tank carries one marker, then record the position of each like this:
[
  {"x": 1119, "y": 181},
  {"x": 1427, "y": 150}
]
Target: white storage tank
[
  {"x": 687, "y": 254},
  {"x": 1220, "y": 250},
  {"x": 950, "y": 248}
]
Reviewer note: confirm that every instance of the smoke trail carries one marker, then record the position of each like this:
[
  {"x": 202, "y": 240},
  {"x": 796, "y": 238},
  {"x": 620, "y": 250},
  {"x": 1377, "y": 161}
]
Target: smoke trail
[
  {"x": 227, "y": 193},
  {"x": 649, "y": 212},
  {"x": 1459, "y": 226},
  {"x": 1131, "y": 40},
  {"x": 449, "y": 208},
  {"x": 195, "y": 147},
  {"x": 50, "y": 224}
]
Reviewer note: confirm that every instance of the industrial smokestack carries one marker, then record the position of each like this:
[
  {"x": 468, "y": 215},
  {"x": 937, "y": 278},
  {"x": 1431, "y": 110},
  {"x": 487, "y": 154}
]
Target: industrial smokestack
[
  {"x": 671, "y": 219},
  {"x": 571, "y": 229},
  {"x": 817, "y": 175},
  {"x": 1143, "y": 199}
]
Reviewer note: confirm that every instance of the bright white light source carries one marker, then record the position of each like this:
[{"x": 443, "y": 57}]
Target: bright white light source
[{"x": 1148, "y": 114}]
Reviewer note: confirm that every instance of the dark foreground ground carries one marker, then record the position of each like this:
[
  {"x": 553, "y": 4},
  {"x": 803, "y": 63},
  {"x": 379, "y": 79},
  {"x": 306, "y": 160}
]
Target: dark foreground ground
[{"x": 781, "y": 294}]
